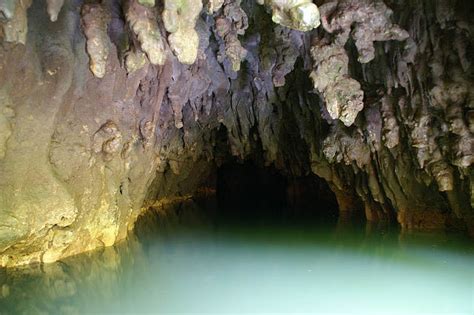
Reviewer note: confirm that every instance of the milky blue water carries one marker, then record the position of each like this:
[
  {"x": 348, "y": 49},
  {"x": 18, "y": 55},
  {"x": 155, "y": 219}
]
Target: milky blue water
[{"x": 193, "y": 261}]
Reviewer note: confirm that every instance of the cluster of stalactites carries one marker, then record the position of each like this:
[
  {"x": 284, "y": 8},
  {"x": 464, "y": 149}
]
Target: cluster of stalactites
[
  {"x": 366, "y": 21},
  {"x": 231, "y": 22},
  {"x": 179, "y": 18},
  {"x": 14, "y": 21}
]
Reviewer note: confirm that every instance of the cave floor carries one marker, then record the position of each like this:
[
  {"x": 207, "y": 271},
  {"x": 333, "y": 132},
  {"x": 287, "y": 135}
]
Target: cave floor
[{"x": 196, "y": 258}]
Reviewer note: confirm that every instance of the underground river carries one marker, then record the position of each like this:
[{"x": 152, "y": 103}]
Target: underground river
[{"x": 196, "y": 257}]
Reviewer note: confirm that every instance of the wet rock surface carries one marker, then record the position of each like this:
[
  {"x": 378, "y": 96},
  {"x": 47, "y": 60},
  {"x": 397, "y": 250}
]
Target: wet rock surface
[{"x": 108, "y": 107}]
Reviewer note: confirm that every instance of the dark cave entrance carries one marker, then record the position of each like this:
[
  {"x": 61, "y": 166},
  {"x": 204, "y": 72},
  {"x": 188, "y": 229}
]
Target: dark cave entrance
[
  {"x": 247, "y": 189},
  {"x": 250, "y": 188}
]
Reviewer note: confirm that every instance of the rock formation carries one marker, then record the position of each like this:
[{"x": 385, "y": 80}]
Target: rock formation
[
  {"x": 94, "y": 23},
  {"x": 14, "y": 20},
  {"x": 179, "y": 19},
  {"x": 106, "y": 105},
  {"x": 143, "y": 21},
  {"x": 300, "y": 15}
]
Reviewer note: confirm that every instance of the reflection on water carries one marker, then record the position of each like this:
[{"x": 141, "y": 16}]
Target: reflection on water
[{"x": 189, "y": 260}]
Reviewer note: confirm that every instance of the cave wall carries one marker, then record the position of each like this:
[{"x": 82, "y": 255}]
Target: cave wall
[{"x": 103, "y": 106}]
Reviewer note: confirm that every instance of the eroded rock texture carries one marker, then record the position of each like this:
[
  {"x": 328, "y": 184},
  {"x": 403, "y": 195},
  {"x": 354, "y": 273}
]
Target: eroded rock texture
[{"x": 378, "y": 102}]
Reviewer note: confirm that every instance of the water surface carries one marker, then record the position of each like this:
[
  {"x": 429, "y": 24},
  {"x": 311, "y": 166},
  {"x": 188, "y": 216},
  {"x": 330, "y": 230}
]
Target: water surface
[{"x": 192, "y": 260}]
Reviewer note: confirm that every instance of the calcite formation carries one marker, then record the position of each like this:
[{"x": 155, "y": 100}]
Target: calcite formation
[
  {"x": 135, "y": 60},
  {"x": 366, "y": 21},
  {"x": 179, "y": 18},
  {"x": 342, "y": 94},
  {"x": 144, "y": 24},
  {"x": 377, "y": 102},
  {"x": 14, "y": 21},
  {"x": 300, "y": 15},
  {"x": 94, "y": 23},
  {"x": 231, "y": 22},
  {"x": 54, "y": 7}
]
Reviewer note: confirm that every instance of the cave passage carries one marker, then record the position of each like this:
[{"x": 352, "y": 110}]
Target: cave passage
[{"x": 236, "y": 156}]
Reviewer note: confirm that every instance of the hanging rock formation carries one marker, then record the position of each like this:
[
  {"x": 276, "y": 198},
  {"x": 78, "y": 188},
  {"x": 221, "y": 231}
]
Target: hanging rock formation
[
  {"x": 179, "y": 18},
  {"x": 54, "y": 7},
  {"x": 115, "y": 104},
  {"x": 144, "y": 24},
  {"x": 300, "y": 15},
  {"x": 94, "y": 23},
  {"x": 231, "y": 22},
  {"x": 343, "y": 95}
]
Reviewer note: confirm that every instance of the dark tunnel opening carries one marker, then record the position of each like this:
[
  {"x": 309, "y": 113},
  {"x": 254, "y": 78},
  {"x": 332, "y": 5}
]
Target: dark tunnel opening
[{"x": 247, "y": 189}]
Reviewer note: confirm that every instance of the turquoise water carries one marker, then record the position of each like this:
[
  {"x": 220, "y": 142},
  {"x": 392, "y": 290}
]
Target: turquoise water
[{"x": 195, "y": 261}]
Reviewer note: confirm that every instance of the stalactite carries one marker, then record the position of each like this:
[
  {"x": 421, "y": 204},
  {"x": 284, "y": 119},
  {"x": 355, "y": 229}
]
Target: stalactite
[
  {"x": 300, "y": 15},
  {"x": 95, "y": 19},
  {"x": 54, "y": 7},
  {"x": 143, "y": 22},
  {"x": 179, "y": 18},
  {"x": 288, "y": 43},
  {"x": 231, "y": 22},
  {"x": 342, "y": 94}
]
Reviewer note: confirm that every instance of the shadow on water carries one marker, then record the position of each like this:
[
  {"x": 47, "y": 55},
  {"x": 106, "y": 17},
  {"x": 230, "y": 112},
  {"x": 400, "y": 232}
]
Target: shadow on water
[{"x": 193, "y": 257}]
